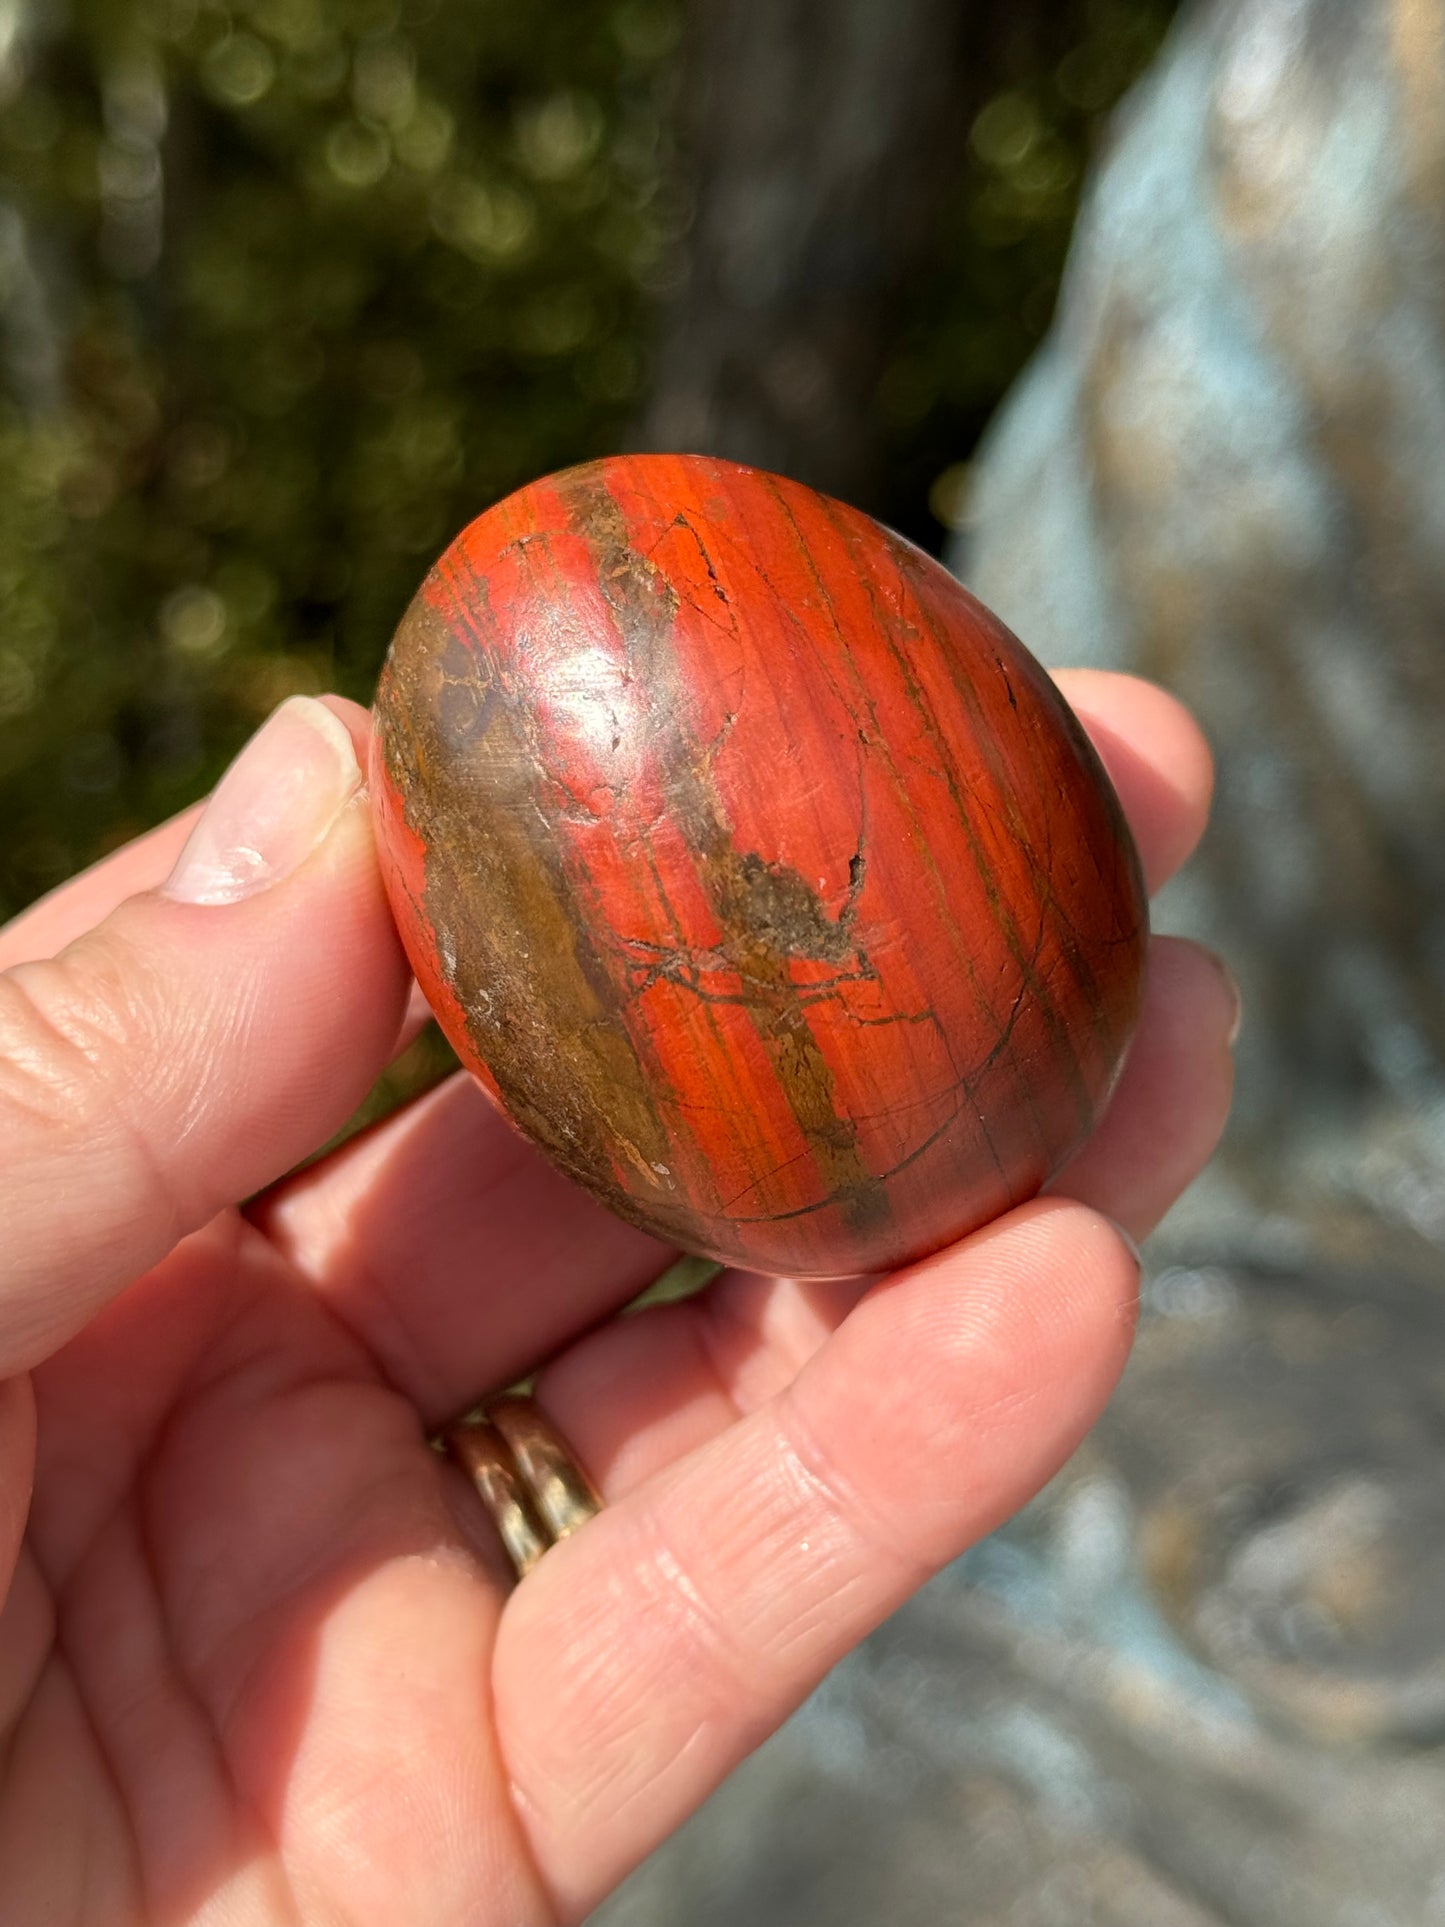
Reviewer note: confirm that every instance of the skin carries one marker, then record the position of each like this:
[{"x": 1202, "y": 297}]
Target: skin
[{"x": 261, "y": 1659}]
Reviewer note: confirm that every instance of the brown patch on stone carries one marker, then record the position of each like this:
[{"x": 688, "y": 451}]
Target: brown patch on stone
[
  {"x": 541, "y": 1006},
  {"x": 767, "y": 914}
]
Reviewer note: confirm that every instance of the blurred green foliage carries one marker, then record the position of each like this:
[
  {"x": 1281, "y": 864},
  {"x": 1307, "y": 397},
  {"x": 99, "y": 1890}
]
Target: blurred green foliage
[
  {"x": 291, "y": 289},
  {"x": 325, "y": 277}
]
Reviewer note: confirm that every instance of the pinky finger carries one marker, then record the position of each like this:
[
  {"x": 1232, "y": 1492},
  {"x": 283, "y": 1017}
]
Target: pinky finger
[{"x": 645, "y": 1656}]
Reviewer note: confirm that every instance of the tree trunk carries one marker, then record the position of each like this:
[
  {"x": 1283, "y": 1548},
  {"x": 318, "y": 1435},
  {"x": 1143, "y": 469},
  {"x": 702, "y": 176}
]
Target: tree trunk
[
  {"x": 820, "y": 137},
  {"x": 30, "y": 349}
]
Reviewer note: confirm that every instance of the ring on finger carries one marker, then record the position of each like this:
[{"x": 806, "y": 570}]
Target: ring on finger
[{"x": 526, "y": 1475}]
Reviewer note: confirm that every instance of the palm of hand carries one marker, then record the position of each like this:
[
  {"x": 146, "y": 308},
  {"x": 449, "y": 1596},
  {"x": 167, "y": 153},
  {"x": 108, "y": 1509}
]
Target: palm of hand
[
  {"x": 272, "y": 1643},
  {"x": 262, "y": 1659}
]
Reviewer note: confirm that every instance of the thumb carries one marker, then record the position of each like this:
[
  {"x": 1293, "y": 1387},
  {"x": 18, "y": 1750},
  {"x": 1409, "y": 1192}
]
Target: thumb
[{"x": 200, "y": 1040}]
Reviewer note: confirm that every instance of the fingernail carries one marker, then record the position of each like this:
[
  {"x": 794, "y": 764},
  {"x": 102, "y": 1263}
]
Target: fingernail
[
  {"x": 1231, "y": 984},
  {"x": 272, "y": 807},
  {"x": 1127, "y": 1239}
]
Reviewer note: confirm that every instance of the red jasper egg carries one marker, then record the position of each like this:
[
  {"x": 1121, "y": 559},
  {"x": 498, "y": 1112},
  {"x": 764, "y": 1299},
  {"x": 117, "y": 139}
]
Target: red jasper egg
[{"x": 760, "y": 873}]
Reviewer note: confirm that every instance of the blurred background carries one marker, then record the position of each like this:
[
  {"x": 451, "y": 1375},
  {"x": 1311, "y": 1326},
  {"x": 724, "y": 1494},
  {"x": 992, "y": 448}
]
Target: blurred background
[
  {"x": 1134, "y": 312},
  {"x": 290, "y": 290}
]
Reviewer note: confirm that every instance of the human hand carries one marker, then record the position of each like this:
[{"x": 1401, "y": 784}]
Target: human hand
[{"x": 261, "y": 1658}]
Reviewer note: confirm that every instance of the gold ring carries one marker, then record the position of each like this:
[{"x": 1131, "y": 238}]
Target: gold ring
[{"x": 526, "y": 1476}]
